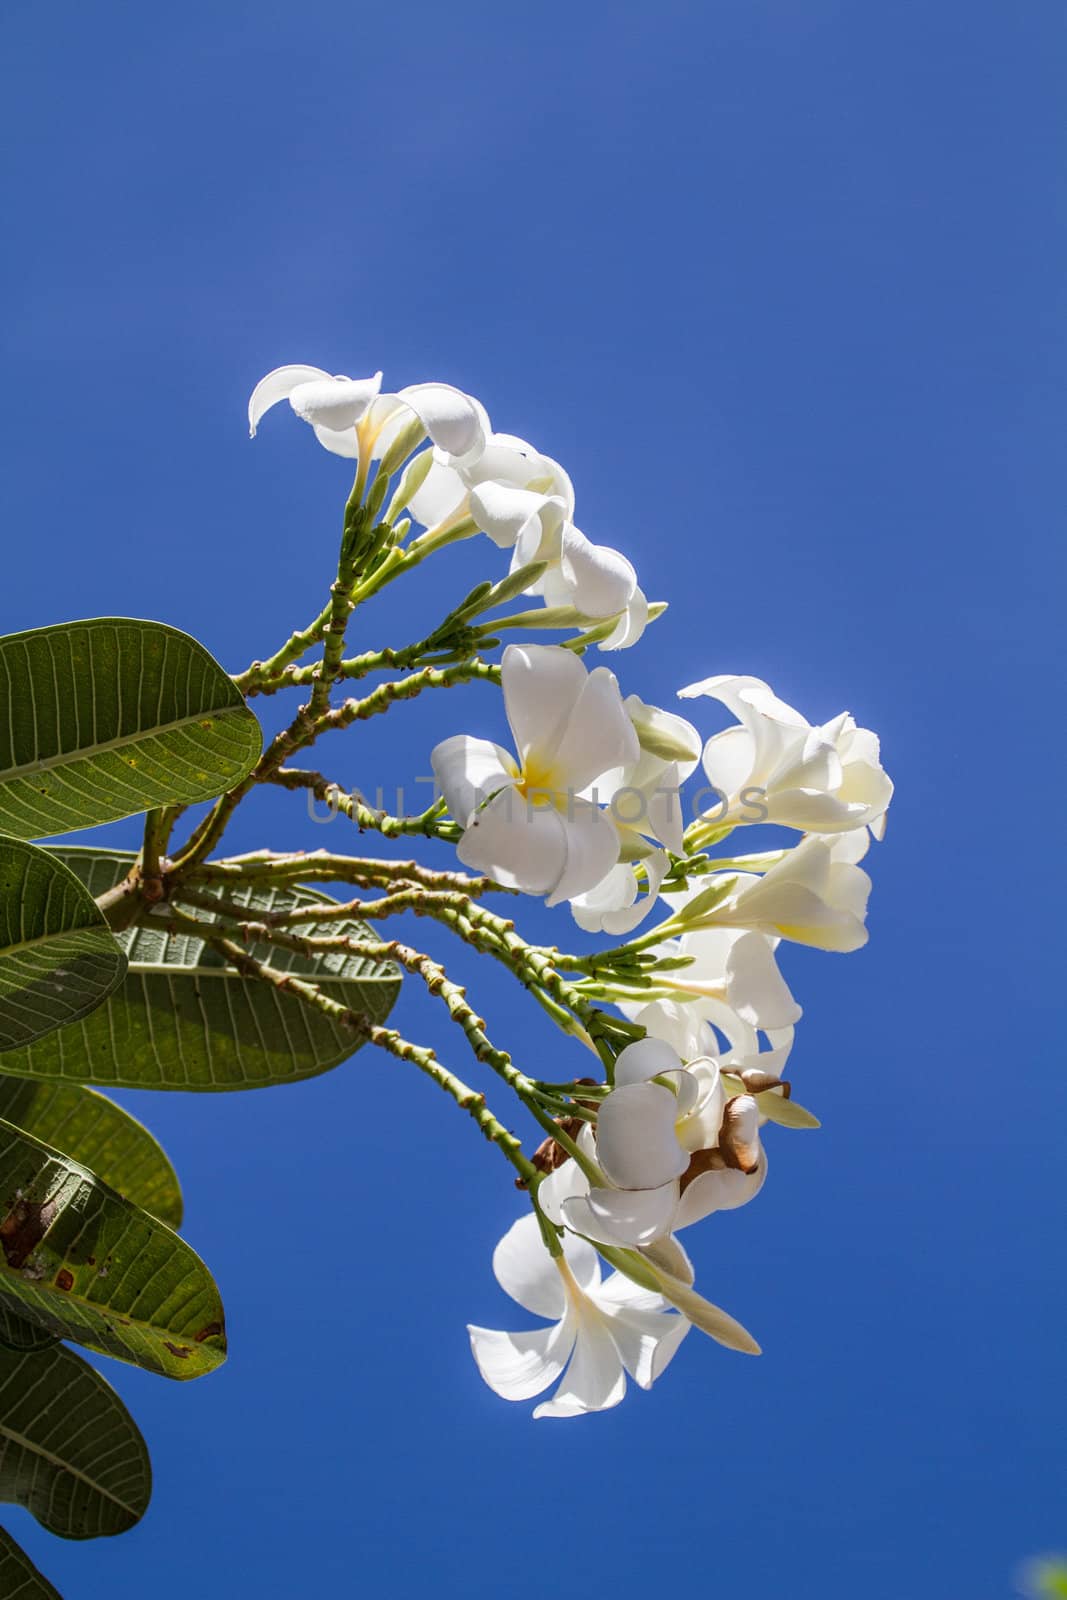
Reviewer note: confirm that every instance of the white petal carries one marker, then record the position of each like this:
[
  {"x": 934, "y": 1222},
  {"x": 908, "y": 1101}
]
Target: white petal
[
  {"x": 756, "y": 989},
  {"x": 597, "y": 735},
  {"x": 503, "y": 512},
  {"x": 618, "y": 1290},
  {"x": 519, "y": 1365},
  {"x": 665, "y": 819},
  {"x": 565, "y": 1183},
  {"x": 595, "y": 1379},
  {"x": 602, "y": 582},
  {"x": 469, "y": 771},
  {"x": 813, "y": 810},
  {"x": 541, "y": 539},
  {"x": 643, "y": 1060},
  {"x": 636, "y": 1142},
  {"x": 277, "y": 385},
  {"x": 339, "y": 444},
  {"x": 525, "y": 1270},
  {"x": 728, "y": 761},
  {"x": 581, "y": 1258},
  {"x": 646, "y": 1341},
  {"x": 799, "y": 911},
  {"x": 541, "y": 684},
  {"x": 852, "y": 846},
  {"x": 520, "y": 845},
  {"x": 507, "y": 459},
  {"x": 722, "y": 1190},
  {"x": 591, "y": 849},
  {"x": 439, "y": 496},
  {"x": 451, "y": 418},
  {"x": 621, "y": 922},
  {"x": 679, "y": 1024},
  {"x": 623, "y": 1217},
  {"x": 630, "y": 626},
  {"x": 779, "y": 732},
  {"x": 615, "y": 893},
  {"x": 334, "y": 403},
  {"x": 700, "y": 1129}
]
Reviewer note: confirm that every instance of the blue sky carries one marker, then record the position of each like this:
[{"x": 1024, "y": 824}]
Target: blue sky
[{"x": 782, "y": 285}]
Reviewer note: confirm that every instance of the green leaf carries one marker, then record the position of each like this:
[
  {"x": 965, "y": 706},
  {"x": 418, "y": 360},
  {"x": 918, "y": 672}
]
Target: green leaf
[
  {"x": 183, "y": 1019},
  {"x": 58, "y": 958},
  {"x": 81, "y": 1262},
  {"x": 102, "y": 719},
  {"x": 19, "y": 1578},
  {"x": 101, "y": 1136},
  {"x": 69, "y": 1450},
  {"x": 18, "y": 1334}
]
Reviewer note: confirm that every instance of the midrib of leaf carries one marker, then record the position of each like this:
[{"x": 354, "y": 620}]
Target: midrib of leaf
[
  {"x": 65, "y": 1466},
  {"x": 85, "y": 752},
  {"x": 50, "y": 938},
  {"x": 231, "y": 973}
]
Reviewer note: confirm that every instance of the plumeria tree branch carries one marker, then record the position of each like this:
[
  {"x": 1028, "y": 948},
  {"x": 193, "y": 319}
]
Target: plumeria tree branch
[
  {"x": 362, "y": 1027},
  {"x": 680, "y": 999}
]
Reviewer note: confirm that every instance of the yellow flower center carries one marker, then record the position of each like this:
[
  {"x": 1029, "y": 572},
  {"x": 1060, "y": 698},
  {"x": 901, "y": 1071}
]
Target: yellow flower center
[{"x": 538, "y": 786}]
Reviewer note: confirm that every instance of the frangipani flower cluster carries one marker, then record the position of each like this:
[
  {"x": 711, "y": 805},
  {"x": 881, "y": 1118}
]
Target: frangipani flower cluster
[
  {"x": 472, "y": 479},
  {"x": 587, "y": 804}
]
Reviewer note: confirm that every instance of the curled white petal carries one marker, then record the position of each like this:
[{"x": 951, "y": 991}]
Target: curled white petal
[
  {"x": 601, "y": 581},
  {"x": 645, "y": 1059},
  {"x": 451, "y": 418},
  {"x": 334, "y": 403},
  {"x": 721, "y": 1190},
  {"x": 623, "y": 1217},
  {"x": 277, "y": 385}
]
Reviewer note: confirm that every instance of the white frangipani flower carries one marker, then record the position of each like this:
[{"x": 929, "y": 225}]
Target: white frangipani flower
[
  {"x": 644, "y": 800},
  {"x": 348, "y": 412},
  {"x": 524, "y": 501},
  {"x": 697, "y": 1027},
  {"x": 775, "y": 767},
  {"x": 526, "y": 823},
  {"x": 651, "y": 1144},
  {"x": 730, "y": 968},
  {"x": 815, "y": 895},
  {"x": 600, "y": 1330}
]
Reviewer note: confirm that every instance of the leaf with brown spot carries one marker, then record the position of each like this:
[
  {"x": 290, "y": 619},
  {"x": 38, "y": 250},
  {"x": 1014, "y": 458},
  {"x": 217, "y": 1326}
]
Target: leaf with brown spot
[
  {"x": 101, "y": 1135},
  {"x": 151, "y": 1293}
]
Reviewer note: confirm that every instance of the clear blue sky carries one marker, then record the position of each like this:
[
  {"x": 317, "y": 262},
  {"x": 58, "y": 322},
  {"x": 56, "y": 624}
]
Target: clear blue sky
[{"x": 781, "y": 281}]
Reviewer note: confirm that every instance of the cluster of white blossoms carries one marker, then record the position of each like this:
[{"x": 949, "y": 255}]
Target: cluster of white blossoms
[
  {"x": 472, "y": 478},
  {"x": 590, "y": 807}
]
